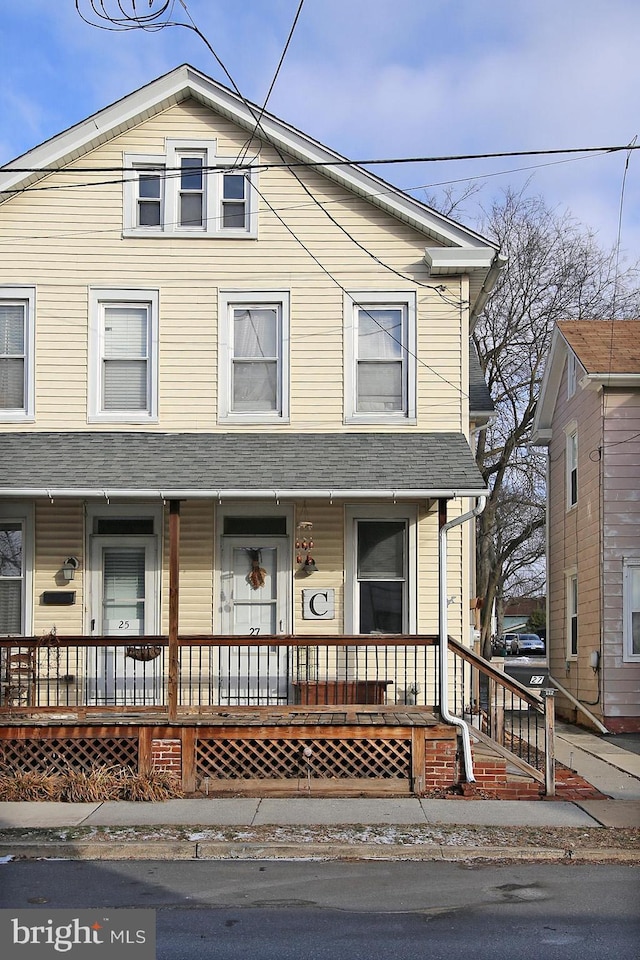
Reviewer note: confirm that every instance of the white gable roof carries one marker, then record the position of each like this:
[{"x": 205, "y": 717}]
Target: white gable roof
[{"x": 457, "y": 249}]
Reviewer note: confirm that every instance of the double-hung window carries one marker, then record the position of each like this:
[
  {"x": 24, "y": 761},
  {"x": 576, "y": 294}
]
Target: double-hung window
[
  {"x": 15, "y": 572},
  {"x": 631, "y": 604},
  {"x": 188, "y": 191},
  {"x": 572, "y": 614},
  {"x": 254, "y": 348},
  {"x": 572, "y": 468},
  {"x": 124, "y": 347},
  {"x": 380, "y": 342},
  {"x": 381, "y": 545},
  {"x": 16, "y": 353}
]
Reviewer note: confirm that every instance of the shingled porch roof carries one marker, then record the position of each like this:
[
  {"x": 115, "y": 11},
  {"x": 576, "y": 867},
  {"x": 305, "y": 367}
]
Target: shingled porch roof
[{"x": 197, "y": 465}]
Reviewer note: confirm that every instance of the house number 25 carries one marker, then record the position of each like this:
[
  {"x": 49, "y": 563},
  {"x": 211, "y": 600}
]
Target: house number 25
[{"x": 123, "y": 625}]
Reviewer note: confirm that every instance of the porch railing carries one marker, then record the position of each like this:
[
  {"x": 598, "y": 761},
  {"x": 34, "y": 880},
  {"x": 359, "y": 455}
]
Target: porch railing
[
  {"x": 501, "y": 711},
  {"x": 84, "y": 675},
  {"x": 65, "y": 673}
]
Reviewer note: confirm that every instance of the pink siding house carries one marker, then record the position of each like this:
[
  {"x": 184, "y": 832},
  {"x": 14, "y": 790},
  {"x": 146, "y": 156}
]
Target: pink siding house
[{"x": 589, "y": 418}]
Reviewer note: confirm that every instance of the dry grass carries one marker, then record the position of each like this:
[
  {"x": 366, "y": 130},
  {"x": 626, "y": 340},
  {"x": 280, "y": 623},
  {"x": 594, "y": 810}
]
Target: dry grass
[{"x": 93, "y": 786}]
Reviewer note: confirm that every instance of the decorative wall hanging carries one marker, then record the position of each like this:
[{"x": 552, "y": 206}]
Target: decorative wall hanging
[
  {"x": 257, "y": 576},
  {"x": 305, "y": 544}
]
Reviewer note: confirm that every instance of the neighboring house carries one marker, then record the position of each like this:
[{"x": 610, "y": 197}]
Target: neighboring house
[
  {"x": 230, "y": 359},
  {"x": 589, "y": 417},
  {"x": 517, "y": 613}
]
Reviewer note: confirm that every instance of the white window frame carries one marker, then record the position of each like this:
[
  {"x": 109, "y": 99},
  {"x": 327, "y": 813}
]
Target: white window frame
[
  {"x": 378, "y": 299},
  {"x": 572, "y": 374},
  {"x": 169, "y": 163},
  {"x": 25, "y": 296},
  {"x": 227, "y": 301},
  {"x": 23, "y": 514},
  {"x": 571, "y": 432},
  {"x": 572, "y": 600},
  {"x": 630, "y": 569},
  {"x": 98, "y": 299},
  {"x": 377, "y": 512}
]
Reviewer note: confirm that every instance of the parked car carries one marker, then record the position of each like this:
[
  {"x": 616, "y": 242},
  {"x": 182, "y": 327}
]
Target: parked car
[
  {"x": 501, "y": 646},
  {"x": 528, "y": 644}
]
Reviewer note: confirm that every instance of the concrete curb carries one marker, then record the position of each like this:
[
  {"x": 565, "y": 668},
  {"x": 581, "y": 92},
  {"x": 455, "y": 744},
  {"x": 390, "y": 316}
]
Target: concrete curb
[{"x": 221, "y": 850}]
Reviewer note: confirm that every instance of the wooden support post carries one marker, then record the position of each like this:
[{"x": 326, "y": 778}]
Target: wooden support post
[
  {"x": 549, "y": 742},
  {"x": 188, "y": 735},
  {"x": 174, "y": 593},
  {"x": 418, "y": 760},
  {"x": 144, "y": 750}
]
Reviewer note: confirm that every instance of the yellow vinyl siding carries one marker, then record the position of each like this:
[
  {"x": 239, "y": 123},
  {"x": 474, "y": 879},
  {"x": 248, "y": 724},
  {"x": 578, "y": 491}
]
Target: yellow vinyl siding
[
  {"x": 76, "y": 233},
  {"x": 59, "y": 527}
]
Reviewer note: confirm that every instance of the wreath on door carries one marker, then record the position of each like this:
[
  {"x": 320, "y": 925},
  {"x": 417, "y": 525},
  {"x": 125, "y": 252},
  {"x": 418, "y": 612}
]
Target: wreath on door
[{"x": 257, "y": 576}]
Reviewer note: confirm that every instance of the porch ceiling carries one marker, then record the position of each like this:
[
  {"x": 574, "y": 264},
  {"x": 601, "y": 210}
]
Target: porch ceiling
[{"x": 224, "y": 465}]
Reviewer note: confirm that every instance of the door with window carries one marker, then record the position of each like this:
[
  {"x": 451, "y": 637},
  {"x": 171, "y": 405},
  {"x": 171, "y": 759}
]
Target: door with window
[
  {"x": 255, "y": 602},
  {"x": 124, "y": 606}
]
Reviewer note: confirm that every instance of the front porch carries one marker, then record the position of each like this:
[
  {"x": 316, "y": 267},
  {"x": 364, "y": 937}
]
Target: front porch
[{"x": 330, "y": 716}]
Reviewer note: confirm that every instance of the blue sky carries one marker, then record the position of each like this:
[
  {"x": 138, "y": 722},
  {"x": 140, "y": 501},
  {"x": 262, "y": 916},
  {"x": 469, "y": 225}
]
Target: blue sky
[{"x": 374, "y": 78}]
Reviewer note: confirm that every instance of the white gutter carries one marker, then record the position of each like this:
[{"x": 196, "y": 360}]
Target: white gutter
[
  {"x": 444, "y": 634},
  {"x": 231, "y": 494}
]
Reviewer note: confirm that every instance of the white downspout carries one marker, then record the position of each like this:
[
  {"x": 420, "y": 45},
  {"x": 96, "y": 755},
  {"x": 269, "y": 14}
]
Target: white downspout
[{"x": 444, "y": 635}]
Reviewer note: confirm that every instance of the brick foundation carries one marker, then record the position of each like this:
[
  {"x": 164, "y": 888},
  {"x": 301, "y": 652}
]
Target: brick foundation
[
  {"x": 441, "y": 764},
  {"x": 167, "y": 755}
]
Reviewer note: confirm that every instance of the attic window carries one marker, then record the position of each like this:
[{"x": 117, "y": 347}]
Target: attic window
[{"x": 188, "y": 191}]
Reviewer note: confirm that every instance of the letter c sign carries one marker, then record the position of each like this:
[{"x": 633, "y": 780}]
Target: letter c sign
[{"x": 318, "y": 604}]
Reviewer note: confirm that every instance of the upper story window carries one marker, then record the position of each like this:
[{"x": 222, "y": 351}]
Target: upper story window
[
  {"x": 572, "y": 468},
  {"x": 17, "y": 305},
  {"x": 254, "y": 357},
  {"x": 187, "y": 191},
  {"x": 124, "y": 356},
  {"x": 380, "y": 374},
  {"x": 631, "y": 602},
  {"x": 571, "y": 374}
]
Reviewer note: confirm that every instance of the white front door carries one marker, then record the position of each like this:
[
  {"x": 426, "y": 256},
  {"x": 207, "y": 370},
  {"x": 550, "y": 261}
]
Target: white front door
[
  {"x": 255, "y": 602},
  {"x": 124, "y": 605}
]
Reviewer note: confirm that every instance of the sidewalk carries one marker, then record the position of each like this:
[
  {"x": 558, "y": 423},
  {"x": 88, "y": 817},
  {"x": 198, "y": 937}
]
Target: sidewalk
[{"x": 361, "y": 828}]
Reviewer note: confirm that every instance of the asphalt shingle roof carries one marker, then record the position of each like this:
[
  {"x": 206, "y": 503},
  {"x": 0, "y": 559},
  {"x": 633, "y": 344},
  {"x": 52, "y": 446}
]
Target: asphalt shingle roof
[
  {"x": 209, "y": 462},
  {"x": 604, "y": 346},
  {"x": 479, "y": 396}
]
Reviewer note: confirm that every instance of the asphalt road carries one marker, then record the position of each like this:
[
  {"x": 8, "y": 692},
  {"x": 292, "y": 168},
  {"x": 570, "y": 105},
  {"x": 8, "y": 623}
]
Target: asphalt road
[{"x": 346, "y": 911}]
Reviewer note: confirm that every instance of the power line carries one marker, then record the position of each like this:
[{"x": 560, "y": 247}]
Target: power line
[{"x": 345, "y": 162}]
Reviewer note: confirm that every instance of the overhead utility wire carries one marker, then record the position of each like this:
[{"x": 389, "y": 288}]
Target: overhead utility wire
[
  {"x": 247, "y": 145},
  {"x": 344, "y": 162}
]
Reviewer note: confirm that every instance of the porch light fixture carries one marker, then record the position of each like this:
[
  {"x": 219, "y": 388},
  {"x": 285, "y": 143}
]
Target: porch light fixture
[{"x": 69, "y": 568}]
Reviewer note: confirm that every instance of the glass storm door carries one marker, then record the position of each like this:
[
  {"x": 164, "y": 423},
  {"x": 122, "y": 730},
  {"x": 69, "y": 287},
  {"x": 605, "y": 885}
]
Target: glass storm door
[
  {"x": 123, "y": 606},
  {"x": 254, "y": 601}
]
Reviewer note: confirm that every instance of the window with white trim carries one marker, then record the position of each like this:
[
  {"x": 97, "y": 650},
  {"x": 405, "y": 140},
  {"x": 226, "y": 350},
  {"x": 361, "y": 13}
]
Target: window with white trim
[
  {"x": 254, "y": 356},
  {"x": 380, "y": 570},
  {"x": 572, "y": 469},
  {"x": 572, "y": 614},
  {"x": 571, "y": 374},
  {"x": 17, "y": 305},
  {"x": 380, "y": 345},
  {"x": 631, "y": 607},
  {"x": 124, "y": 356},
  {"x": 187, "y": 191},
  {"x": 15, "y": 571}
]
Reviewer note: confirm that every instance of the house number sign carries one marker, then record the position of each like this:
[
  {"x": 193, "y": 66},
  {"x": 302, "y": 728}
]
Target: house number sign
[{"x": 319, "y": 604}]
